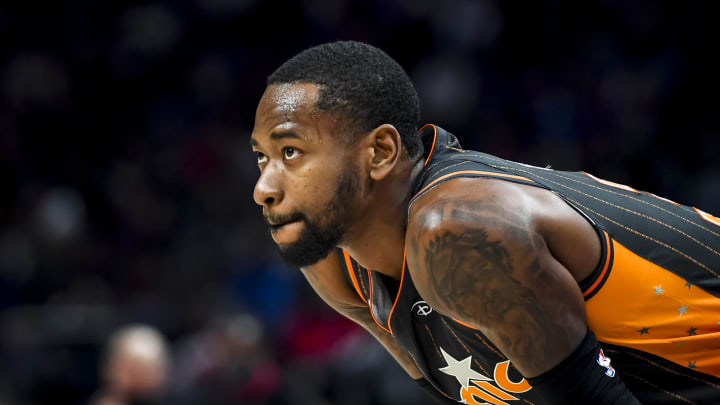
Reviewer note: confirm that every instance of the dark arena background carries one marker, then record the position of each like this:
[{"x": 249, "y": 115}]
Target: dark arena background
[{"x": 127, "y": 176}]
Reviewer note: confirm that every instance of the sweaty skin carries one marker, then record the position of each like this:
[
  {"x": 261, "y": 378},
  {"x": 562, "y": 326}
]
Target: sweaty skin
[{"x": 502, "y": 257}]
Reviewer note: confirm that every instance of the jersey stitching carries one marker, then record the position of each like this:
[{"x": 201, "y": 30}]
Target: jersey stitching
[
  {"x": 477, "y": 363},
  {"x": 347, "y": 262},
  {"x": 362, "y": 283},
  {"x": 639, "y": 214},
  {"x": 440, "y": 162},
  {"x": 649, "y": 238},
  {"x": 490, "y": 347},
  {"x": 686, "y": 209},
  {"x": 624, "y": 226},
  {"x": 447, "y": 169},
  {"x": 653, "y": 363},
  {"x": 433, "y": 166},
  {"x": 436, "y": 388},
  {"x": 626, "y": 209},
  {"x": 612, "y": 192},
  {"x": 658, "y": 221},
  {"x": 432, "y": 338},
  {"x": 415, "y": 362},
  {"x": 430, "y": 180},
  {"x": 672, "y": 394}
]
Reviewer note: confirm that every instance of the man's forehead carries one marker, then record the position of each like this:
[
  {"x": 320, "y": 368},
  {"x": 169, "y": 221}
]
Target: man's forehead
[
  {"x": 289, "y": 97},
  {"x": 288, "y": 100},
  {"x": 291, "y": 107}
]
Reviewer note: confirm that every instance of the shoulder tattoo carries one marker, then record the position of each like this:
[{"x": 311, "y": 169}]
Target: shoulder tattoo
[{"x": 480, "y": 271}]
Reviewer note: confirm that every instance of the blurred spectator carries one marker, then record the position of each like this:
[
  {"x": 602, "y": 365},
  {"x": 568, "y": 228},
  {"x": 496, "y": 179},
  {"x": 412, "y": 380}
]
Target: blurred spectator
[{"x": 135, "y": 369}]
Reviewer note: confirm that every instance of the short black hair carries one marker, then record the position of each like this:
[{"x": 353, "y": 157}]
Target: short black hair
[{"x": 363, "y": 84}]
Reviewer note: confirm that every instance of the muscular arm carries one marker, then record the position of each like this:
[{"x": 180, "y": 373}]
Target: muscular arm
[
  {"x": 327, "y": 280},
  {"x": 479, "y": 257}
]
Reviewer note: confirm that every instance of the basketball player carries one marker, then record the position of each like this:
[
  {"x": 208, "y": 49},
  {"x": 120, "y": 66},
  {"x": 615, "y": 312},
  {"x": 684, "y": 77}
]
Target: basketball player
[{"x": 489, "y": 281}]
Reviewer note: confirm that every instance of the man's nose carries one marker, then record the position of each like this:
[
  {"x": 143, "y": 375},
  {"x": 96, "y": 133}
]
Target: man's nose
[{"x": 267, "y": 189}]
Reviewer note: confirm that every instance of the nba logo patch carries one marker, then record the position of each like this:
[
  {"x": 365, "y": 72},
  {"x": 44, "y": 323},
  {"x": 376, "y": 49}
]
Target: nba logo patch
[{"x": 605, "y": 362}]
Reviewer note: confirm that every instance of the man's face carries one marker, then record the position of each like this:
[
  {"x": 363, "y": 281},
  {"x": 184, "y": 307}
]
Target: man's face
[{"x": 308, "y": 179}]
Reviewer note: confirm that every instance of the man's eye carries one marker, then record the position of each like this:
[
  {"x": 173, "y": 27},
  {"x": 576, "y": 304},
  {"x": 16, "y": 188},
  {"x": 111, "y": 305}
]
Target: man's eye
[
  {"x": 290, "y": 153},
  {"x": 261, "y": 158}
]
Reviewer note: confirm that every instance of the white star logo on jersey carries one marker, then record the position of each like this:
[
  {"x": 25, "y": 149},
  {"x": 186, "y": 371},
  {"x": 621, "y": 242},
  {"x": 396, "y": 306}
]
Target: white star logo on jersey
[{"x": 461, "y": 370}]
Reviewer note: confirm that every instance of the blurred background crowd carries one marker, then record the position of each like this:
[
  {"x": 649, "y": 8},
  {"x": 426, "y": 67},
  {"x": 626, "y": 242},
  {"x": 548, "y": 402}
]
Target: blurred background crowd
[{"x": 134, "y": 265}]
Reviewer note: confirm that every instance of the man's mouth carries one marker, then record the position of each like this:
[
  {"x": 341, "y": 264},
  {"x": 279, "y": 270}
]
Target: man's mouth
[
  {"x": 278, "y": 221},
  {"x": 274, "y": 228}
]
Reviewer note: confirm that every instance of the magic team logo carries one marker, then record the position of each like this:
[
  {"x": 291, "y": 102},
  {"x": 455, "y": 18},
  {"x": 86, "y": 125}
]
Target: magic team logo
[{"x": 477, "y": 389}]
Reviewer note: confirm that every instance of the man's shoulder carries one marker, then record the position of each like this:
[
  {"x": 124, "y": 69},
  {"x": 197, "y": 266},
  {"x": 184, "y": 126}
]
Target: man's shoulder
[
  {"x": 471, "y": 214},
  {"x": 463, "y": 201}
]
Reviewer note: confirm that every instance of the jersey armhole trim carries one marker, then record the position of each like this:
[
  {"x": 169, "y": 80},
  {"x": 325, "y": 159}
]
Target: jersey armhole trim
[
  {"x": 467, "y": 325},
  {"x": 351, "y": 272},
  {"x": 592, "y": 283}
]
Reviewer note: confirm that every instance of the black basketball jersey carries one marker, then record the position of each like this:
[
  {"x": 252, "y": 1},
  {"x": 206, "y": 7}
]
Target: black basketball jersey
[{"x": 653, "y": 302}]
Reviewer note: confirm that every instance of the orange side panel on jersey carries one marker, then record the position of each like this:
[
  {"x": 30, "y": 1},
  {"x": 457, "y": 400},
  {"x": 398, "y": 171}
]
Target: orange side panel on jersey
[
  {"x": 604, "y": 270},
  {"x": 348, "y": 264},
  {"x": 494, "y": 174},
  {"x": 648, "y": 308}
]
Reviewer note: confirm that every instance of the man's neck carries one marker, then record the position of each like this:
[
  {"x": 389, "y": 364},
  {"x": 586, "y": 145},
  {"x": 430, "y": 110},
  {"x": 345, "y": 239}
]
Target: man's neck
[{"x": 377, "y": 241}]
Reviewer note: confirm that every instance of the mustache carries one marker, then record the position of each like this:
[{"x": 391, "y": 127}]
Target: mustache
[{"x": 274, "y": 220}]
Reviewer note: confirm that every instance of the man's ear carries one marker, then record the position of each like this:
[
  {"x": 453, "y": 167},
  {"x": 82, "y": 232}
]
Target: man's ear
[{"x": 386, "y": 148}]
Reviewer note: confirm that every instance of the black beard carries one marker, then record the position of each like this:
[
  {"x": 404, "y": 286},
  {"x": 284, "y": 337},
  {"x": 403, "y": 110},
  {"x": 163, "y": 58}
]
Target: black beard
[
  {"x": 313, "y": 244},
  {"x": 317, "y": 240}
]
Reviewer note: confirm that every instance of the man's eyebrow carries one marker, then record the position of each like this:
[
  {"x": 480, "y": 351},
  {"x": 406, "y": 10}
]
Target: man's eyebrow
[
  {"x": 277, "y": 136},
  {"x": 284, "y": 134}
]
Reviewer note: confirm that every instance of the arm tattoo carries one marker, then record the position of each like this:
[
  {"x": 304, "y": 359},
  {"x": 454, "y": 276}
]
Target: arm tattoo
[{"x": 475, "y": 277}]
